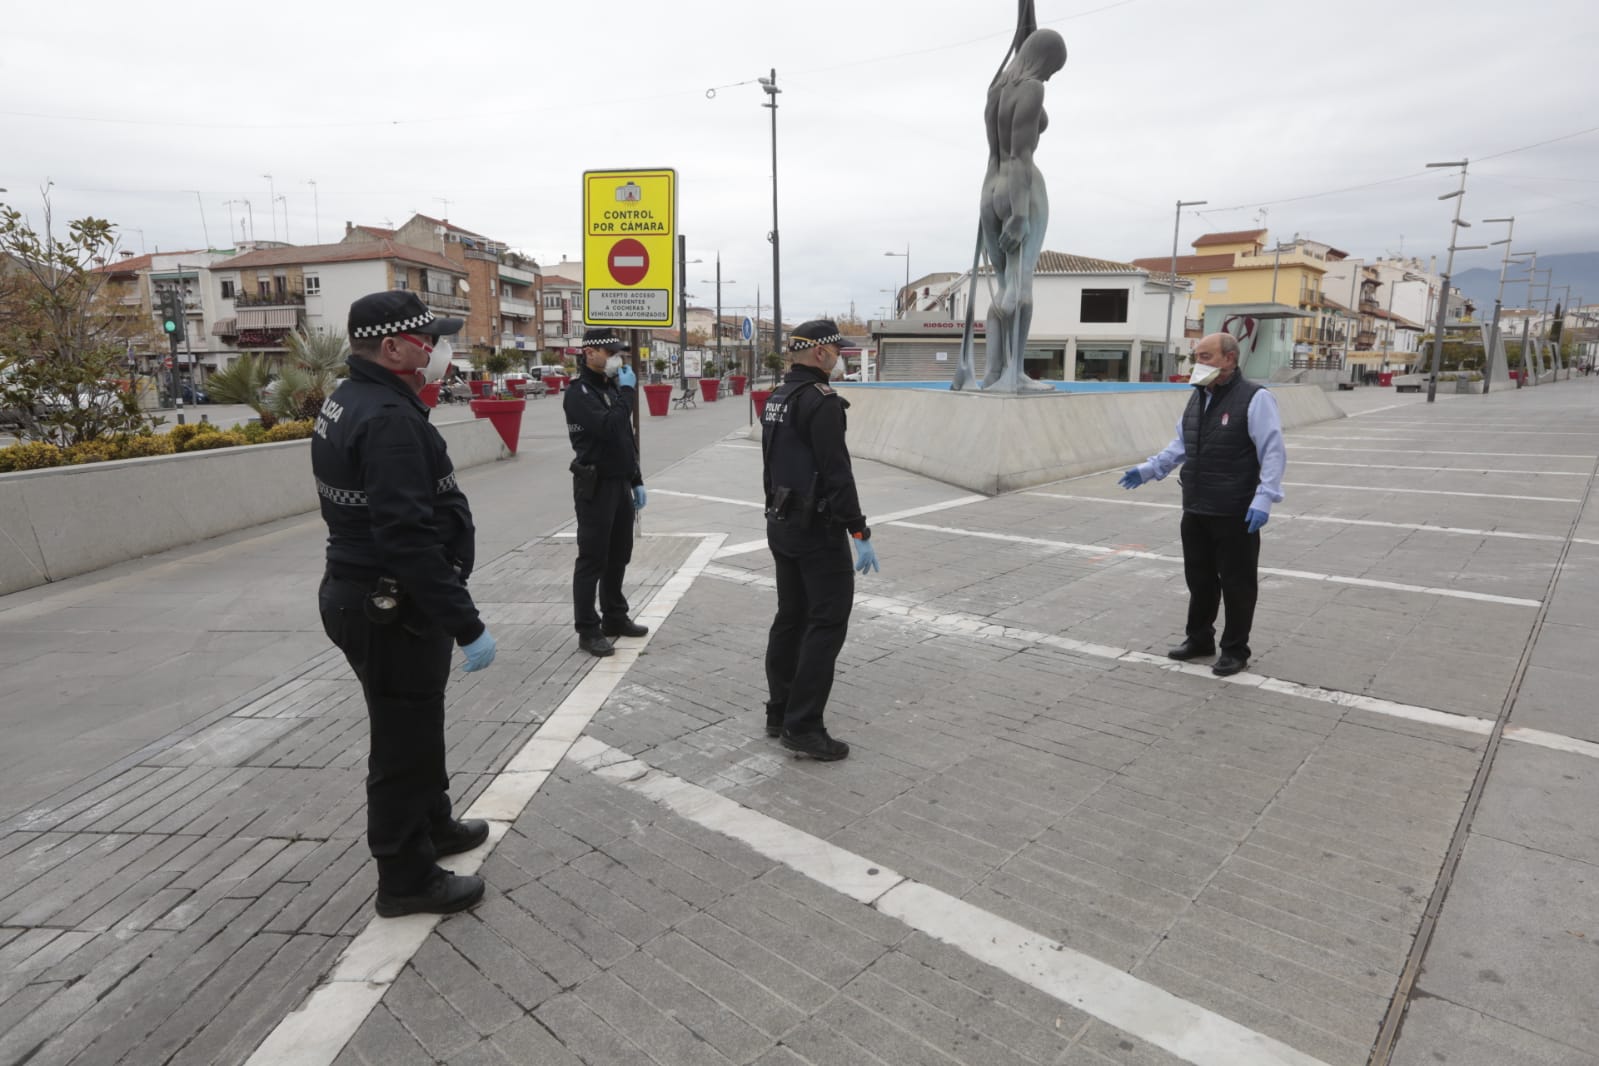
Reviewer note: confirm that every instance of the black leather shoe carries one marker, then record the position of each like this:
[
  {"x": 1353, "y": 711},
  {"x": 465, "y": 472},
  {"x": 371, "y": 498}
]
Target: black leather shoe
[
  {"x": 818, "y": 746},
  {"x": 625, "y": 628},
  {"x": 445, "y": 894},
  {"x": 1188, "y": 649},
  {"x": 1228, "y": 664},
  {"x": 774, "y": 726},
  {"x": 456, "y": 837},
  {"x": 598, "y": 646}
]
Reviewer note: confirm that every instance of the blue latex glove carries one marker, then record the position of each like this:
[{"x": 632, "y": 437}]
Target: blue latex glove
[
  {"x": 625, "y": 377},
  {"x": 479, "y": 653},
  {"x": 640, "y": 497},
  {"x": 865, "y": 556},
  {"x": 1254, "y": 519},
  {"x": 1132, "y": 479}
]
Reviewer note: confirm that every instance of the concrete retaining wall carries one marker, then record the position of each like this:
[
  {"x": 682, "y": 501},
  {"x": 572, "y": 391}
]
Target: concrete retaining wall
[
  {"x": 992, "y": 444},
  {"x": 70, "y": 520}
]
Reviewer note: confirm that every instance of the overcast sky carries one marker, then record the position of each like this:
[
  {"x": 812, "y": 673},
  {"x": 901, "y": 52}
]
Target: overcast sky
[{"x": 396, "y": 106}]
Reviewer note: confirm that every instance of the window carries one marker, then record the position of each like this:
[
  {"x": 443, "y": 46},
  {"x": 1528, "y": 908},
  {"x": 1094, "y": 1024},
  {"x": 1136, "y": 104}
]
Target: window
[
  {"x": 552, "y": 303},
  {"x": 401, "y": 283},
  {"x": 227, "y": 288},
  {"x": 1217, "y": 285},
  {"x": 1104, "y": 305},
  {"x": 313, "y": 285},
  {"x": 492, "y": 291}
]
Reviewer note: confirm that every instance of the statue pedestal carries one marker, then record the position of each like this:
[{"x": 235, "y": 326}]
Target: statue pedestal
[{"x": 993, "y": 443}]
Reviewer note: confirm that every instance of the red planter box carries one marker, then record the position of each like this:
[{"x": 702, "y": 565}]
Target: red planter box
[
  {"x": 709, "y": 387},
  {"x": 554, "y": 381},
  {"x": 1385, "y": 378},
  {"x": 659, "y": 397},
  {"x": 505, "y": 416},
  {"x": 480, "y": 388},
  {"x": 760, "y": 396},
  {"x": 739, "y": 381},
  {"x": 430, "y": 394}
]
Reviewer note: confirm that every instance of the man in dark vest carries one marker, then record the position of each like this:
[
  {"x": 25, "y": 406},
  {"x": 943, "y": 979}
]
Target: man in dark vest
[
  {"x": 1230, "y": 445},
  {"x": 812, "y": 516}
]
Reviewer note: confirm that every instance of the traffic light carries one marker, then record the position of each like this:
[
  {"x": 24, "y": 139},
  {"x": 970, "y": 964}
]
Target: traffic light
[{"x": 172, "y": 316}]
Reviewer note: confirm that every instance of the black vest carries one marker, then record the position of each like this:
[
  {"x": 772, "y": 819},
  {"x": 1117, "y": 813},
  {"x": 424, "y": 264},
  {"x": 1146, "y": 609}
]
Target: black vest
[{"x": 1222, "y": 470}]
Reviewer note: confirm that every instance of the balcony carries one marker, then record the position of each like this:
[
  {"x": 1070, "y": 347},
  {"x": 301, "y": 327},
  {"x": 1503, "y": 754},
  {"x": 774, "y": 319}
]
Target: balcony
[
  {"x": 517, "y": 275},
  {"x": 1365, "y": 339},
  {"x": 274, "y": 299},
  {"x": 439, "y": 301},
  {"x": 514, "y": 308}
]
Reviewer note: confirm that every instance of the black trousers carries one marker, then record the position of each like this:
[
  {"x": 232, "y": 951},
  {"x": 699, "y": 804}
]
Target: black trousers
[
  {"x": 604, "y": 548},
  {"x": 815, "y": 590},
  {"x": 402, "y": 676},
  {"x": 1220, "y": 557}
]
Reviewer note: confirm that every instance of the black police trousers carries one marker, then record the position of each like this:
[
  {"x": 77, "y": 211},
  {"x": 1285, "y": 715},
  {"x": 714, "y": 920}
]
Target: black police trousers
[
  {"x": 402, "y": 676},
  {"x": 1220, "y": 557},
  {"x": 815, "y": 590},
  {"x": 604, "y": 548}
]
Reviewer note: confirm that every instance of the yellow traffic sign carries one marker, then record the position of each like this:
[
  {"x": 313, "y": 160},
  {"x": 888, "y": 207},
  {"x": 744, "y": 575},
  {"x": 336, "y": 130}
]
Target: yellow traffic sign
[{"x": 629, "y": 237}]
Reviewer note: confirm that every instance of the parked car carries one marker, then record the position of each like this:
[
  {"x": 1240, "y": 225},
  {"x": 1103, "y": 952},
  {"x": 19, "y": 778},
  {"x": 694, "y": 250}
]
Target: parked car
[{"x": 195, "y": 394}]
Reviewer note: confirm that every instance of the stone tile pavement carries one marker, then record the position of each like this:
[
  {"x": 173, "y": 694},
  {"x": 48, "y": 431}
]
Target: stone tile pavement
[{"x": 1247, "y": 859}]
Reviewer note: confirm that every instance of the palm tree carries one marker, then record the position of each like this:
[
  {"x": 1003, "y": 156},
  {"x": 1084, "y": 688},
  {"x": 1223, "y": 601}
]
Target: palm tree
[
  {"x": 313, "y": 369},
  {"x": 244, "y": 381}
]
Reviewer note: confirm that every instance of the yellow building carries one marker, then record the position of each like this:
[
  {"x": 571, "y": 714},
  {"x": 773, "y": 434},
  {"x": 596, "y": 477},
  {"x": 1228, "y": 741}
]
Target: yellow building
[{"x": 1238, "y": 268}]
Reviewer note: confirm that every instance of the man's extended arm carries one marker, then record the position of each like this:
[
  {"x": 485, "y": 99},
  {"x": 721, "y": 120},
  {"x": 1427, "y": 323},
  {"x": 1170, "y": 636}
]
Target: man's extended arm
[{"x": 1266, "y": 430}]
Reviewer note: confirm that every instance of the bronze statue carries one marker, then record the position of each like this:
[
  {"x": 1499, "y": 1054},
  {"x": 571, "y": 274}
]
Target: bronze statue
[{"x": 1014, "y": 210}]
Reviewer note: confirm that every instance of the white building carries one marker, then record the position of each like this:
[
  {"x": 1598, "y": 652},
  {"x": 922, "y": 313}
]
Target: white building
[{"x": 1093, "y": 320}]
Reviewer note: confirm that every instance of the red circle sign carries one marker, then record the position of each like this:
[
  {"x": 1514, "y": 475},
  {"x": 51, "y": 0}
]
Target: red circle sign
[
  {"x": 629, "y": 261},
  {"x": 167, "y": 363}
]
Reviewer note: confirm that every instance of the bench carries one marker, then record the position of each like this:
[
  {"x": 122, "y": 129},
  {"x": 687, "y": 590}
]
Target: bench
[{"x": 684, "y": 399}]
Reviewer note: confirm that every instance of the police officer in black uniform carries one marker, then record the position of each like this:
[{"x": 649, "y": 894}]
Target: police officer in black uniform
[
  {"x": 607, "y": 489},
  {"x": 394, "y": 598},
  {"x": 812, "y": 514}
]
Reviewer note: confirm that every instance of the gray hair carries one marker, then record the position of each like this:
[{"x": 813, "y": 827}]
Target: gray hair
[{"x": 1229, "y": 345}]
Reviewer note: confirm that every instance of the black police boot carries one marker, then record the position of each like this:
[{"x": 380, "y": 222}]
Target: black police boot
[
  {"x": 1229, "y": 664},
  {"x": 774, "y": 725},
  {"x": 626, "y": 627},
  {"x": 817, "y": 745},
  {"x": 1191, "y": 649},
  {"x": 453, "y": 837},
  {"x": 444, "y": 893},
  {"x": 596, "y": 645}
]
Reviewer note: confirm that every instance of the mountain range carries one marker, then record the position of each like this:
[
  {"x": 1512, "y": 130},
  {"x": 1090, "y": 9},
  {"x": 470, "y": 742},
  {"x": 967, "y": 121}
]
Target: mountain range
[{"x": 1580, "y": 270}]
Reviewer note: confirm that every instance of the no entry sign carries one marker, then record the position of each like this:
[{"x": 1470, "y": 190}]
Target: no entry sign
[{"x": 629, "y": 262}]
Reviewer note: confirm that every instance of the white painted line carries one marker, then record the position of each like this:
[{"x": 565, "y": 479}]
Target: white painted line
[
  {"x": 1297, "y": 517},
  {"x": 1555, "y": 741},
  {"x": 1374, "y": 410},
  {"x": 1422, "y": 432},
  {"x": 959, "y": 625},
  {"x": 1474, "y": 470},
  {"x": 708, "y": 499},
  {"x": 1432, "y": 492},
  {"x": 1299, "y": 447},
  {"x": 316, "y": 1033},
  {"x": 748, "y": 546},
  {"x": 1111, "y": 551},
  {"x": 1115, "y": 997}
]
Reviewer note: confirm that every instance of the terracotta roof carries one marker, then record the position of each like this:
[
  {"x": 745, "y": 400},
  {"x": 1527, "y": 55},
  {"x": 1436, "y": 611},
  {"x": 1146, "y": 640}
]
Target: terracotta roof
[
  {"x": 1401, "y": 319},
  {"x": 560, "y": 279},
  {"x": 307, "y": 254},
  {"x": 134, "y": 264},
  {"x": 451, "y": 226},
  {"x": 1067, "y": 263},
  {"x": 1188, "y": 264},
  {"x": 1237, "y": 236},
  {"x": 379, "y": 232}
]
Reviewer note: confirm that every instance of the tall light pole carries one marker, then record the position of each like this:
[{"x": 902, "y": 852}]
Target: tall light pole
[
  {"x": 284, "y": 200},
  {"x": 1499, "y": 300},
  {"x": 1459, "y": 196},
  {"x": 682, "y": 308},
  {"x": 902, "y": 299},
  {"x": 316, "y": 209},
  {"x": 769, "y": 86},
  {"x": 1388, "y": 337},
  {"x": 1171, "y": 294},
  {"x": 1562, "y": 308},
  {"x": 272, "y": 192},
  {"x": 719, "y": 305},
  {"x": 1526, "y": 321}
]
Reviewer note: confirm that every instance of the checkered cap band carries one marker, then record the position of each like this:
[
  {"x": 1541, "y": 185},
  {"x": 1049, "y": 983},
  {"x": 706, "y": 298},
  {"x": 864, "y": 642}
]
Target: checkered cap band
[
  {"x": 357, "y": 498},
  {"x": 403, "y": 325},
  {"x": 799, "y": 344}
]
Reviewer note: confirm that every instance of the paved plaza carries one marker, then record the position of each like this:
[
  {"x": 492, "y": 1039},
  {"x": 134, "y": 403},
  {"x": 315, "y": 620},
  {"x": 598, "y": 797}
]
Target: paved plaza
[{"x": 1050, "y": 844}]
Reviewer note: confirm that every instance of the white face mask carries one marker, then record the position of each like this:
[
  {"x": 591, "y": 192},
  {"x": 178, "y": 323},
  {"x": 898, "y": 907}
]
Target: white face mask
[
  {"x": 1202, "y": 374},
  {"x": 439, "y": 361},
  {"x": 613, "y": 365}
]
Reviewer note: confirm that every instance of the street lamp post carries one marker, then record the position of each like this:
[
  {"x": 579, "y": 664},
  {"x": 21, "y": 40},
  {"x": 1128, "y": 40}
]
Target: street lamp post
[
  {"x": 1459, "y": 196},
  {"x": 1171, "y": 294},
  {"x": 1499, "y": 301},
  {"x": 903, "y": 298},
  {"x": 719, "y": 284},
  {"x": 272, "y": 200},
  {"x": 682, "y": 309},
  {"x": 769, "y": 86},
  {"x": 316, "y": 209},
  {"x": 1388, "y": 337}
]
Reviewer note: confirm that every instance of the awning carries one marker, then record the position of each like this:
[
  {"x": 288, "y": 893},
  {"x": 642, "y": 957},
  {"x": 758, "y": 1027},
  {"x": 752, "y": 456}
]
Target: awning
[
  {"x": 269, "y": 318},
  {"x": 227, "y": 327}
]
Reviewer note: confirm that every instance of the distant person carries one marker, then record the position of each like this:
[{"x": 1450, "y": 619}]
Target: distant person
[
  {"x": 607, "y": 489},
  {"x": 401, "y": 545},
  {"x": 1230, "y": 444},
  {"x": 812, "y": 515}
]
